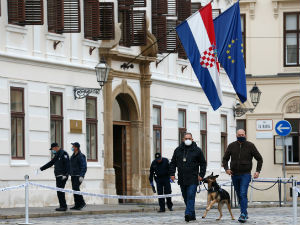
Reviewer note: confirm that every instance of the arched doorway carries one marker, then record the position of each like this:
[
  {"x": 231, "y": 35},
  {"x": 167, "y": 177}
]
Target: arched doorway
[{"x": 124, "y": 112}]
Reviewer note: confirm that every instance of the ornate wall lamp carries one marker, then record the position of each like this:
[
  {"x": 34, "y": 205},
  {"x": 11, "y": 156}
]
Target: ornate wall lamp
[
  {"x": 255, "y": 94},
  {"x": 102, "y": 70}
]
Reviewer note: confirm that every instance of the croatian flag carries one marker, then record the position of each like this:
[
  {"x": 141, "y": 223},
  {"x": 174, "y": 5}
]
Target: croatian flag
[{"x": 197, "y": 37}]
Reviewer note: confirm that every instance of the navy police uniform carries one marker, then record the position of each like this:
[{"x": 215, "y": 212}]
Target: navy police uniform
[
  {"x": 61, "y": 171},
  {"x": 159, "y": 170},
  {"x": 78, "y": 169}
]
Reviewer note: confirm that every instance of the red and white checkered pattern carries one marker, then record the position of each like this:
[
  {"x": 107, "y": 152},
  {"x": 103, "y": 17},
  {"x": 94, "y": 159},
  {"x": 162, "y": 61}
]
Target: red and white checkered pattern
[{"x": 208, "y": 59}]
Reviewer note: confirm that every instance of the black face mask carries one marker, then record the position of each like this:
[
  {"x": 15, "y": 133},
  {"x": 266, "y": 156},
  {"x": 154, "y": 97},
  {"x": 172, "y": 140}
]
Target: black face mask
[{"x": 241, "y": 139}]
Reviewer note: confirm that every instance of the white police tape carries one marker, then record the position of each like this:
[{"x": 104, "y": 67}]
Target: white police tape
[
  {"x": 103, "y": 195},
  {"x": 110, "y": 196},
  {"x": 13, "y": 187}
]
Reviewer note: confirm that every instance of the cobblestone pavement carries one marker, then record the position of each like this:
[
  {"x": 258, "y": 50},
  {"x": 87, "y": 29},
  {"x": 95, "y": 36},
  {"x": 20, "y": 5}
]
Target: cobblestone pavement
[{"x": 260, "y": 216}]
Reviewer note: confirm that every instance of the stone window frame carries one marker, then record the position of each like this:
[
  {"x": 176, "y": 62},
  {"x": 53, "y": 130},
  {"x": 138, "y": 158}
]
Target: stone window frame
[{"x": 18, "y": 115}]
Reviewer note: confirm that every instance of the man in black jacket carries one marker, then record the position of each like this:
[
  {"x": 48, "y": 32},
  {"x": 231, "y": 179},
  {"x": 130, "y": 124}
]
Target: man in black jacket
[
  {"x": 77, "y": 171},
  {"x": 241, "y": 153},
  {"x": 188, "y": 157},
  {"x": 160, "y": 171},
  {"x": 61, "y": 171}
]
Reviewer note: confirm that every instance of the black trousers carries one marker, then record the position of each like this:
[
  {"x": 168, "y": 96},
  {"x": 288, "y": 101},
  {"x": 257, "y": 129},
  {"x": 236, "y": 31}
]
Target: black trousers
[
  {"x": 60, "y": 183},
  {"x": 164, "y": 187},
  {"x": 78, "y": 199}
]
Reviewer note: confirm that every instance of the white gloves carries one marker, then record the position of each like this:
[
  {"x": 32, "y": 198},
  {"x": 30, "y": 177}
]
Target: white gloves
[
  {"x": 80, "y": 179},
  {"x": 37, "y": 171}
]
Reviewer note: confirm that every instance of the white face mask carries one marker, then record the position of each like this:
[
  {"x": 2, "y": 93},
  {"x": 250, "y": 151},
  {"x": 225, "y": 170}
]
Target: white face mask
[{"x": 188, "y": 142}]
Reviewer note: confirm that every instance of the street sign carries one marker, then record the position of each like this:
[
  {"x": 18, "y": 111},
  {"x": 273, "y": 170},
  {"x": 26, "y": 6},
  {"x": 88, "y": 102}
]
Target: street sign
[{"x": 283, "y": 128}]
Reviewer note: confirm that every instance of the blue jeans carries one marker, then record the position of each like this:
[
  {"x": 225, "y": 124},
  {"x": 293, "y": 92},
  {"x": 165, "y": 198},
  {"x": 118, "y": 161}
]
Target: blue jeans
[
  {"x": 241, "y": 184},
  {"x": 189, "y": 194}
]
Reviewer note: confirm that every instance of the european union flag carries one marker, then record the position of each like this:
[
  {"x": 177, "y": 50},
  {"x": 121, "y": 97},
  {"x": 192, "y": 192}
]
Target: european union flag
[{"x": 230, "y": 48}]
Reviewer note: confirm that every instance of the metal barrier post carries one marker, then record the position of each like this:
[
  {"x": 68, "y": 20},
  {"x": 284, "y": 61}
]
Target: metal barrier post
[
  {"x": 295, "y": 195},
  {"x": 26, "y": 200},
  {"x": 279, "y": 191},
  {"x": 251, "y": 191}
]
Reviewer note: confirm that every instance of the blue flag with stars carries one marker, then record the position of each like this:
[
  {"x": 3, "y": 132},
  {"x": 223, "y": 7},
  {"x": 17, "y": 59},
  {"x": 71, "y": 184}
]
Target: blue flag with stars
[{"x": 230, "y": 48}]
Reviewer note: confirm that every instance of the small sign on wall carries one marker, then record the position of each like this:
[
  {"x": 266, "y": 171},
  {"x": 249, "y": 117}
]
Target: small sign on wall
[
  {"x": 76, "y": 126},
  {"x": 264, "y": 125}
]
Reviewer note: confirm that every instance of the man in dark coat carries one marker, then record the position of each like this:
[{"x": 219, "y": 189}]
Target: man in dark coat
[
  {"x": 160, "y": 171},
  {"x": 61, "y": 171},
  {"x": 77, "y": 171},
  {"x": 188, "y": 158},
  {"x": 241, "y": 153}
]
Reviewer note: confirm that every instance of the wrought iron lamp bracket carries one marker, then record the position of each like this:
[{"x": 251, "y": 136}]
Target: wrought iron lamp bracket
[{"x": 80, "y": 93}]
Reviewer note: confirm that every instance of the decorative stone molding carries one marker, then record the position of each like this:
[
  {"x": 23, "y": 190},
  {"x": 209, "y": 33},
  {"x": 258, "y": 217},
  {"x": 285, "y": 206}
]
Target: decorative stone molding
[
  {"x": 293, "y": 106},
  {"x": 17, "y": 29},
  {"x": 276, "y": 5},
  {"x": 251, "y": 4}
]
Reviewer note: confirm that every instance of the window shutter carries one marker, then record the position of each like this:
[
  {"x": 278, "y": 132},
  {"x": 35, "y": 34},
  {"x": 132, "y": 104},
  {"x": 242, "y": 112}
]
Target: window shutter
[
  {"x": 195, "y": 6},
  {"x": 16, "y": 11},
  {"x": 159, "y": 23},
  {"x": 125, "y": 18},
  {"x": 172, "y": 5},
  {"x": 139, "y": 28},
  {"x": 125, "y": 4},
  {"x": 171, "y": 36},
  {"x": 55, "y": 12},
  {"x": 139, "y": 3},
  {"x": 183, "y": 10},
  {"x": 107, "y": 21},
  {"x": 91, "y": 19},
  {"x": 71, "y": 18},
  {"x": 34, "y": 12},
  {"x": 159, "y": 30}
]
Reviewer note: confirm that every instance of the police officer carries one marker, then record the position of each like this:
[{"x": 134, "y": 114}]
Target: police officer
[
  {"x": 160, "y": 171},
  {"x": 61, "y": 171},
  {"x": 77, "y": 171}
]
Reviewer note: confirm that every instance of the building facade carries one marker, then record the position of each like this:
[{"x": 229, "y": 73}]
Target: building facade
[
  {"x": 150, "y": 99},
  {"x": 272, "y": 62}
]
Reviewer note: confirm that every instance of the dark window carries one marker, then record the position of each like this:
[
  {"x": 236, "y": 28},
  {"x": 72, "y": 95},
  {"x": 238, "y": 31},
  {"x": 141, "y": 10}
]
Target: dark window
[
  {"x": 99, "y": 20},
  {"x": 156, "y": 128},
  {"x": 216, "y": 13},
  {"x": 291, "y": 39},
  {"x": 181, "y": 124},
  {"x": 223, "y": 134},
  {"x": 91, "y": 129},
  {"x": 22, "y": 12},
  {"x": 63, "y": 16},
  {"x": 243, "y": 25},
  {"x": 56, "y": 113},
  {"x": 133, "y": 23},
  {"x": 17, "y": 123},
  {"x": 291, "y": 145},
  {"x": 241, "y": 124},
  {"x": 203, "y": 133}
]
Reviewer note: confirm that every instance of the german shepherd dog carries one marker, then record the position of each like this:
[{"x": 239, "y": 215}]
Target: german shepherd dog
[{"x": 216, "y": 194}]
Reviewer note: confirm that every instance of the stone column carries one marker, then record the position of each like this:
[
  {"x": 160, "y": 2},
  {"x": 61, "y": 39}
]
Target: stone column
[
  {"x": 145, "y": 156},
  {"x": 109, "y": 172}
]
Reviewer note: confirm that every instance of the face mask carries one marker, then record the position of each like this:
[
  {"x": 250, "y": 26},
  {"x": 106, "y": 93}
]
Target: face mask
[
  {"x": 53, "y": 151},
  {"x": 72, "y": 149},
  {"x": 241, "y": 139},
  {"x": 188, "y": 142}
]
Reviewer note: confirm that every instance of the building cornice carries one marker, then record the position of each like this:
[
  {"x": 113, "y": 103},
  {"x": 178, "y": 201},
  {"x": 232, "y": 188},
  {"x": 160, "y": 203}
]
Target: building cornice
[{"x": 39, "y": 62}]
